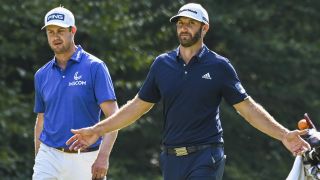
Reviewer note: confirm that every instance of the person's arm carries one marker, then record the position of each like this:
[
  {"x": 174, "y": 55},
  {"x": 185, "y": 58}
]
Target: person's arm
[
  {"x": 127, "y": 115},
  {"x": 101, "y": 165},
  {"x": 259, "y": 118},
  {"x": 37, "y": 131}
]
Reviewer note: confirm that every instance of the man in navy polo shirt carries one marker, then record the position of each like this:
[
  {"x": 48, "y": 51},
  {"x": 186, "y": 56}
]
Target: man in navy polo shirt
[
  {"x": 70, "y": 92},
  {"x": 191, "y": 81}
]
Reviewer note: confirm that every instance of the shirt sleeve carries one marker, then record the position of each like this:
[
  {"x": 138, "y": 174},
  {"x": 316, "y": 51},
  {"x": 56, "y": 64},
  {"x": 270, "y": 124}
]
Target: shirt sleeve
[
  {"x": 38, "y": 100},
  {"x": 103, "y": 86},
  {"x": 149, "y": 91},
  {"x": 232, "y": 89}
]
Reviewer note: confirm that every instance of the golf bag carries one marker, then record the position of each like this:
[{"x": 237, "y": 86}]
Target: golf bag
[{"x": 307, "y": 166}]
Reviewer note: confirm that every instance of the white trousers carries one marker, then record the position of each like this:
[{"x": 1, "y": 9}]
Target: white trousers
[{"x": 52, "y": 164}]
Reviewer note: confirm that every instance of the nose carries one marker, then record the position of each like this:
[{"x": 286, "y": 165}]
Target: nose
[
  {"x": 184, "y": 28},
  {"x": 55, "y": 36},
  {"x": 54, "y": 39}
]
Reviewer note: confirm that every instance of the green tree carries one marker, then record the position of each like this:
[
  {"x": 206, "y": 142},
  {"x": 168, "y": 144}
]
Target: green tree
[{"x": 274, "y": 46}]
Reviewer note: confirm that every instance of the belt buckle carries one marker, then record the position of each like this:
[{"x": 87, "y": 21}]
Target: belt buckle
[
  {"x": 60, "y": 149},
  {"x": 181, "y": 151}
]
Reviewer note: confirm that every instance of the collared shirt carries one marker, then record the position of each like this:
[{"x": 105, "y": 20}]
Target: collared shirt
[
  {"x": 191, "y": 94},
  {"x": 70, "y": 98}
]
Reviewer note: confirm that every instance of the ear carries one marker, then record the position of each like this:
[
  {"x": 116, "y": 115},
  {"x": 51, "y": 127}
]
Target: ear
[
  {"x": 73, "y": 29},
  {"x": 205, "y": 28}
]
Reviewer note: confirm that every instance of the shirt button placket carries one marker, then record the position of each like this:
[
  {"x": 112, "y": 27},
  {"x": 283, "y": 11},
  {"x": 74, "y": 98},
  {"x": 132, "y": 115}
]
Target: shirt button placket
[
  {"x": 63, "y": 73},
  {"x": 185, "y": 70}
]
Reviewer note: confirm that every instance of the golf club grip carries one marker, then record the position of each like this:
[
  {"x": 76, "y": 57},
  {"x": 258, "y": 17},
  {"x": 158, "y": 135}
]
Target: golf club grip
[{"x": 306, "y": 117}]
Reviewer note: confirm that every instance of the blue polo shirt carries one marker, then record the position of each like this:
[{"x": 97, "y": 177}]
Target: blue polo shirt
[
  {"x": 191, "y": 94},
  {"x": 70, "y": 98}
]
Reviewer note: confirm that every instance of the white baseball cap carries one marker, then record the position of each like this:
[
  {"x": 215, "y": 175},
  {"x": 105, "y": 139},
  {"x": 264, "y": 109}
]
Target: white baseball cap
[
  {"x": 193, "y": 11},
  {"x": 59, "y": 16}
]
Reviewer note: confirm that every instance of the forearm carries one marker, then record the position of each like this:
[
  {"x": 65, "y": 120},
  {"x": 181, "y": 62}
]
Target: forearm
[
  {"x": 127, "y": 114},
  {"x": 259, "y": 118},
  {"x": 36, "y": 140},
  {"x": 107, "y": 144},
  {"x": 37, "y": 131}
]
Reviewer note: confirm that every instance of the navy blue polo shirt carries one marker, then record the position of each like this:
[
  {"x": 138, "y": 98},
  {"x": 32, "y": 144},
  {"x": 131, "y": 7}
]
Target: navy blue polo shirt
[
  {"x": 191, "y": 95},
  {"x": 70, "y": 98}
]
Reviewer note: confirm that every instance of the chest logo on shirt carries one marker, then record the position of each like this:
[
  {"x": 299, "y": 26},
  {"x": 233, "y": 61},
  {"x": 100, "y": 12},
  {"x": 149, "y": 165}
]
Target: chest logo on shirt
[
  {"x": 206, "y": 76},
  {"x": 77, "y": 81},
  {"x": 76, "y": 77}
]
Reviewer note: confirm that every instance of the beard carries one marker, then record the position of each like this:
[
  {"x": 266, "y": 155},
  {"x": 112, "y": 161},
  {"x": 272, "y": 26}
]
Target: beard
[{"x": 187, "y": 42}]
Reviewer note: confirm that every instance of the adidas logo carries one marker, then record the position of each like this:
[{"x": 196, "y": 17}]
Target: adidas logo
[{"x": 206, "y": 76}]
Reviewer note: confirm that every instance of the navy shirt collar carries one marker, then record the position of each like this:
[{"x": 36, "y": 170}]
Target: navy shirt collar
[
  {"x": 76, "y": 56},
  {"x": 203, "y": 50}
]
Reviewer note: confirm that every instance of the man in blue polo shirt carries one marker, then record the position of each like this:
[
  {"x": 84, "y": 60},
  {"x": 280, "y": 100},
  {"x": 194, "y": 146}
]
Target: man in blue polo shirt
[
  {"x": 70, "y": 92},
  {"x": 191, "y": 81}
]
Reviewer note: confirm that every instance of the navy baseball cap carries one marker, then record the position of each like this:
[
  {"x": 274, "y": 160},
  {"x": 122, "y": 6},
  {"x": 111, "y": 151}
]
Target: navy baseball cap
[{"x": 193, "y": 11}]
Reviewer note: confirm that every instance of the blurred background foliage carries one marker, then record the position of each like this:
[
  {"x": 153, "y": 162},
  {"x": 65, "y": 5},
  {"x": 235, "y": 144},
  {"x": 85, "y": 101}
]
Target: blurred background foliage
[{"x": 274, "y": 46}]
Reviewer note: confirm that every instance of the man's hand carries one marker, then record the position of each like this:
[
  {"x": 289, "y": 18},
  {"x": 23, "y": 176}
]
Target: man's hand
[
  {"x": 294, "y": 143},
  {"x": 83, "y": 138},
  {"x": 100, "y": 167}
]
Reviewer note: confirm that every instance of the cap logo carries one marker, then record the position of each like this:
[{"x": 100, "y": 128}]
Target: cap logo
[
  {"x": 55, "y": 16},
  {"x": 190, "y": 10},
  {"x": 205, "y": 19}
]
